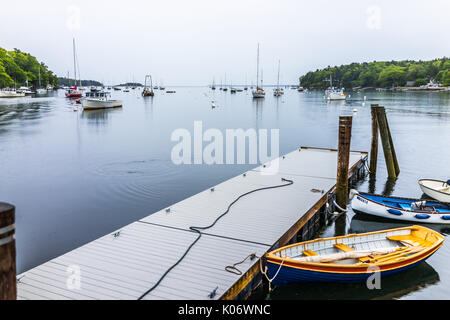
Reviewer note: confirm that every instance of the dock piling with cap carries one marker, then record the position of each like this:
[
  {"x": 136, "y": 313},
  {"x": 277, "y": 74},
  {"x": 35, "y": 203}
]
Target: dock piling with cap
[{"x": 345, "y": 133}]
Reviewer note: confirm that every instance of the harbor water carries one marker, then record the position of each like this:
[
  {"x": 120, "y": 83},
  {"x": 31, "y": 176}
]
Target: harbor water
[{"x": 76, "y": 176}]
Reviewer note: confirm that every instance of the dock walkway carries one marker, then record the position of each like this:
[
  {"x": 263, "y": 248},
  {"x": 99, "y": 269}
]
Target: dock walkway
[{"x": 126, "y": 263}]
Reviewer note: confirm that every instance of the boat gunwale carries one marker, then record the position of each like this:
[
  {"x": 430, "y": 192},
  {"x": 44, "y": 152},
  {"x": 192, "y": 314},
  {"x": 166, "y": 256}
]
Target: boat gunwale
[
  {"x": 271, "y": 257},
  {"x": 403, "y": 198},
  {"x": 360, "y": 266},
  {"x": 445, "y": 193}
]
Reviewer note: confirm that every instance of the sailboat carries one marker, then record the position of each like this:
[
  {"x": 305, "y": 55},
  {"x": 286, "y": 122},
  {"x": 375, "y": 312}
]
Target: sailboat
[
  {"x": 74, "y": 92},
  {"x": 258, "y": 92},
  {"x": 278, "y": 92},
  {"x": 232, "y": 90},
  {"x": 40, "y": 90},
  {"x": 213, "y": 87},
  {"x": 225, "y": 88},
  {"x": 333, "y": 93},
  {"x": 146, "y": 92}
]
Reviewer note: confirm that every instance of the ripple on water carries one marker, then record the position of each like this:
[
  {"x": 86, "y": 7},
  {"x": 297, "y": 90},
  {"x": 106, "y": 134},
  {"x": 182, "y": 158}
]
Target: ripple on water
[{"x": 135, "y": 180}]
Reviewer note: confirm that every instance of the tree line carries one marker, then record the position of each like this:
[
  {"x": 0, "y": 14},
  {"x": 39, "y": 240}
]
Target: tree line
[
  {"x": 17, "y": 66},
  {"x": 380, "y": 74},
  {"x": 67, "y": 82}
]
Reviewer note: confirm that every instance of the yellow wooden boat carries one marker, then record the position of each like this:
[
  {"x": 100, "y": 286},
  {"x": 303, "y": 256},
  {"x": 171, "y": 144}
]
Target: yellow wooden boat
[{"x": 353, "y": 257}]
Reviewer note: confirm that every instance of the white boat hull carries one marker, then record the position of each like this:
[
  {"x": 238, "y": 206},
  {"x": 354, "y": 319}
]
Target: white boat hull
[
  {"x": 11, "y": 94},
  {"x": 366, "y": 206},
  {"x": 94, "y": 104},
  {"x": 438, "y": 190},
  {"x": 336, "y": 96}
]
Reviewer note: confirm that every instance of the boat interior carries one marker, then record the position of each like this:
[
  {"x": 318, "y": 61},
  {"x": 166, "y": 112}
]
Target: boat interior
[
  {"x": 400, "y": 239},
  {"x": 410, "y": 204}
]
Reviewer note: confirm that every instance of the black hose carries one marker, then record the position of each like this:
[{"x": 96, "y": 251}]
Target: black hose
[{"x": 197, "y": 229}]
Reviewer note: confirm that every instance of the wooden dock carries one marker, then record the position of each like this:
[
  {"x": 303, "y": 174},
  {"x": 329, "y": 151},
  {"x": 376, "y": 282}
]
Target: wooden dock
[{"x": 126, "y": 263}]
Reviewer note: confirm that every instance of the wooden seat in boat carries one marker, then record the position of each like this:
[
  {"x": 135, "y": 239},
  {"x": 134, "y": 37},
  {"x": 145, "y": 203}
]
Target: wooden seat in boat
[
  {"x": 309, "y": 253},
  {"x": 343, "y": 247},
  {"x": 411, "y": 240}
]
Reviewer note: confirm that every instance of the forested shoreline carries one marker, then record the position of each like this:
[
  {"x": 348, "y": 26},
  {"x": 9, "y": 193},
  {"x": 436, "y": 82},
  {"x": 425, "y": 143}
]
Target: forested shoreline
[
  {"x": 16, "y": 67},
  {"x": 380, "y": 74}
]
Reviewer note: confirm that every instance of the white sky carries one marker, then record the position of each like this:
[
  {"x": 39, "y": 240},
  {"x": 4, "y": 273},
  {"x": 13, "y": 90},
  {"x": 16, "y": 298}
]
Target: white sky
[{"x": 192, "y": 41}]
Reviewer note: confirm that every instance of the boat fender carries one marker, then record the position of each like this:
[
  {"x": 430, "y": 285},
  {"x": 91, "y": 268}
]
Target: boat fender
[
  {"x": 396, "y": 212},
  {"x": 445, "y": 217},
  {"x": 422, "y": 216}
]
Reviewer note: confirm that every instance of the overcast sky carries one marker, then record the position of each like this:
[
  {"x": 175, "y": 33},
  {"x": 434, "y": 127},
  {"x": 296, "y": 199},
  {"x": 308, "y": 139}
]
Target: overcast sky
[{"x": 190, "y": 41}]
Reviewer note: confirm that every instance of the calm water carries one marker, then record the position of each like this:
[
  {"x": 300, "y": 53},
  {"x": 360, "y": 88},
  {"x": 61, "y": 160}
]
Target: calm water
[{"x": 76, "y": 176}]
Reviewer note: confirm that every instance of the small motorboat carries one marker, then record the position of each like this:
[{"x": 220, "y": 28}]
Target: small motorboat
[
  {"x": 353, "y": 257},
  {"x": 436, "y": 189},
  {"x": 406, "y": 209}
]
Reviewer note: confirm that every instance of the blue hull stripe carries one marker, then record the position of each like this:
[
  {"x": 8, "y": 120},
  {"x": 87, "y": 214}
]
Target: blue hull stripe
[{"x": 288, "y": 275}]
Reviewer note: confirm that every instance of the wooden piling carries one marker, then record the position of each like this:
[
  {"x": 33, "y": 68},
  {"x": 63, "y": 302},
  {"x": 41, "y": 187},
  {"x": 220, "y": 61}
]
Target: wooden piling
[
  {"x": 386, "y": 142},
  {"x": 345, "y": 133},
  {"x": 8, "y": 286},
  {"x": 394, "y": 155},
  {"x": 374, "y": 144}
]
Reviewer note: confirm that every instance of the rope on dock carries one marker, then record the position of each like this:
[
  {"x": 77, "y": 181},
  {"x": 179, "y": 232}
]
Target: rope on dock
[
  {"x": 235, "y": 270},
  {"x": 264, "y": 272},
  {"x": 198, "y": 230}
]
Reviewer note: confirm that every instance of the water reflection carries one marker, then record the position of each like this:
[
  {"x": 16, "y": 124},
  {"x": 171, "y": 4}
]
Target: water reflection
[
  {"x": 99, "y": 117},
  {"x": 23, "y": 109},
  {"x": 389, "y": 186}
]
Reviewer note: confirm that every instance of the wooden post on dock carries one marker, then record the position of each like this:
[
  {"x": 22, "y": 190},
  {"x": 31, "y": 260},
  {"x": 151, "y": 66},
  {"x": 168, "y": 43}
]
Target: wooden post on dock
[
  {"x": 388, "y": 146},
  {"x": 394, "y": 155},
  {"x": 8, "y": 286},
  {"x": 374, "y": 144},
  {"x": 345, "y": 134}
]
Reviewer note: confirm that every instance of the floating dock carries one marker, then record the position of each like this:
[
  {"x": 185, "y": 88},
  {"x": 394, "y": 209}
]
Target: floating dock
[{"x": 129, "y": 261}]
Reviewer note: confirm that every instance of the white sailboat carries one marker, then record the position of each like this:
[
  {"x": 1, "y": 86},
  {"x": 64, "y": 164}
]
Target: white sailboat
[
  {"x": 258, "y": 92},
  {"x": 40, "y": 90},
  {"x": 278, "y": 92},
  {"x": 333, "y": 93}
]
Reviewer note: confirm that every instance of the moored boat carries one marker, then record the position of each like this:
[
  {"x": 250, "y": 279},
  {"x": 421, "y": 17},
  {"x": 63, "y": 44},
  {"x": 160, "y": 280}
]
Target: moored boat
[
  {"x": 354, "y": 257},
  {"x": 11, "y": 94},
  {"x": 99, "y": 100},
  {"x": 397, "y": 208},
  {"x": 148, "y": 91},
  {"x": 436, "y": 189},
  {"x": 259, "y": 91}
]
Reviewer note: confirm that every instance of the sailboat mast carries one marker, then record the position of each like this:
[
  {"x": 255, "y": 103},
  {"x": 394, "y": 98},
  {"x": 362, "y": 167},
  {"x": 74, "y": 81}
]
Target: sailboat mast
[
  {"x": 257, "y": 67},
  {"x": 74, "y": 65},
  {"x": 278, "y": 82}
]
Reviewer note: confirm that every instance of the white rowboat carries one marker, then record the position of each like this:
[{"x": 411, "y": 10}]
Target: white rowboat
[{"x": 436, "y": 189}]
